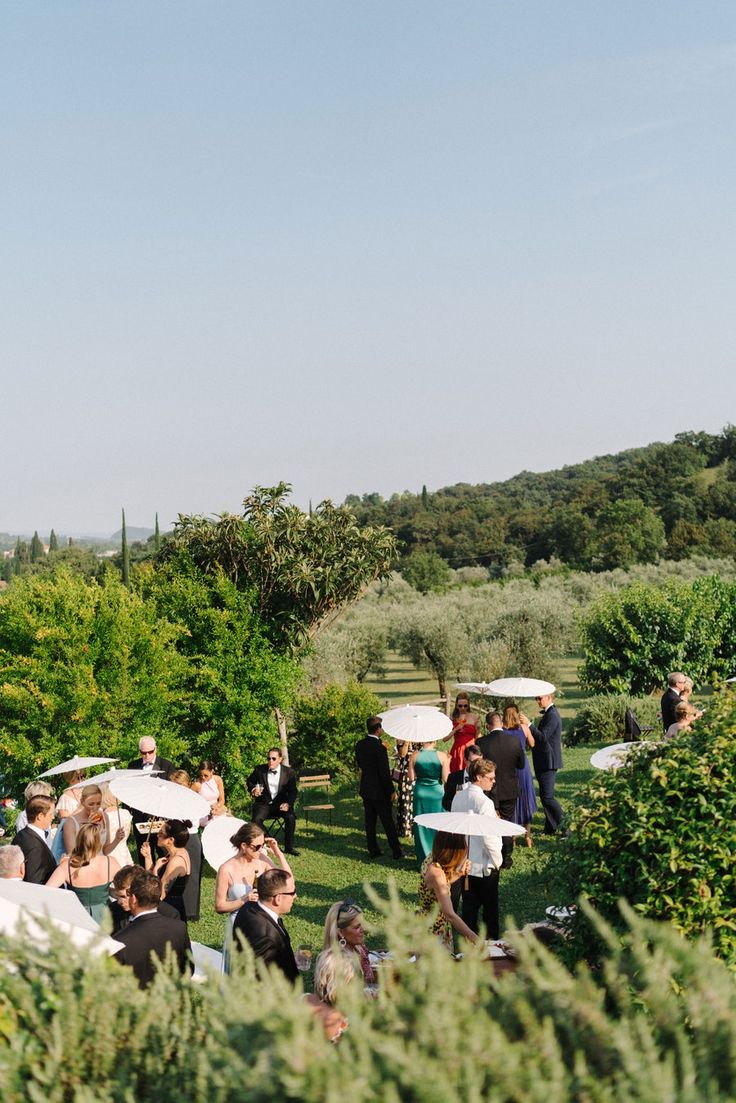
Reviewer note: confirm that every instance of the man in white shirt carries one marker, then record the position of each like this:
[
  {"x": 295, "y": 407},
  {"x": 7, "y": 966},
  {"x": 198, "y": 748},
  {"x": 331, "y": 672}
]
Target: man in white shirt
[
  {"x": 484, "y": 851},
  {"x": 35, "y": 840},
  {"x": 273, "y": 788}
]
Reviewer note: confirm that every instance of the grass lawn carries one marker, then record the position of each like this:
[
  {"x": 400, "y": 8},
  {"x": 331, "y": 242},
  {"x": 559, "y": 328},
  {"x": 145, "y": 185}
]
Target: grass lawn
[{"x": 333, "y": 865}]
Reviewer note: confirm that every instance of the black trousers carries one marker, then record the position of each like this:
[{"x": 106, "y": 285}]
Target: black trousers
[
  {"x": 373, "y": 809},
  {"x": 481, "y": 895},
  {"x": 263, "y": 812},
  {"x": 552, "y": 811},
  {"x": 506, "y": 812}
]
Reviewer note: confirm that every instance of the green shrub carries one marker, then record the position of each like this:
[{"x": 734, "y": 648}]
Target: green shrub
[
  {"x": 327, "y": 725},
  {"x": 601, "y": 719},
  {"x": 659, "y": 831},
  {"x": 656, "y": 1024}
]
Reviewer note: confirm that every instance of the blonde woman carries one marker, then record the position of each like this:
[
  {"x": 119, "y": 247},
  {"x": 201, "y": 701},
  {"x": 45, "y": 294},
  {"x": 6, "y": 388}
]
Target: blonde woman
[
  {"x": 90, "y": 811},
  {"x": 345, "y": 955},
  {"x": 87, "y": 872},
  {"x": 116, "y": 817}
]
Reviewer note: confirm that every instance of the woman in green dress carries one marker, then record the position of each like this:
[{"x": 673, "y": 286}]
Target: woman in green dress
[
  {"x": 428, "y": 769},
  {"x": 87, "y": 871}
]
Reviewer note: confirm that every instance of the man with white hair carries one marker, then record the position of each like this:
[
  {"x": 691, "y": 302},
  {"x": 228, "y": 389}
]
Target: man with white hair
[
  {"x": 12, "y": 863},
  {"x": 149, "y": 762}
]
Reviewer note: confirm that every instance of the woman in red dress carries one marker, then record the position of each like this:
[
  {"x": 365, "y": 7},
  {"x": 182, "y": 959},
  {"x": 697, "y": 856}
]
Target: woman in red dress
[{"x": 464, "y": 730}]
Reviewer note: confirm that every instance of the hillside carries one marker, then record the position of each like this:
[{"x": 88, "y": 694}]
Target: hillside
[{"x": 671, "y": 499}]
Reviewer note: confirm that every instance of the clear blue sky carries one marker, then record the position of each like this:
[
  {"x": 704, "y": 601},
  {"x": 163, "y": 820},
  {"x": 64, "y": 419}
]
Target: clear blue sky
[{"x": 354, "y": 245}]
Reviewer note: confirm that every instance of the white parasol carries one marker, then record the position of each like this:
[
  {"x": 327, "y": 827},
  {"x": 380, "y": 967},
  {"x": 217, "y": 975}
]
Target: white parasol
[
  {"x": 162, "y": 800},
  {"x": 610, "y": 758},
  {"x": 468, "y": 823},
  {"x": 474, "y": 687},
  {"x": 519, "y": 687},
  {"x": 24, "y": 904},
  {"x": 116, "y": 775},
  {"x": 76, "y": 763},
  {"x": 416, "y": 724},
  {"x": 216, "y": 845}
]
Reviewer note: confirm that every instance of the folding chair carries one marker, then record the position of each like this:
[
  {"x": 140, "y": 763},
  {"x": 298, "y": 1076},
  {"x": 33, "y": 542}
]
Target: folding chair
[{"x": 316, "y": 781}]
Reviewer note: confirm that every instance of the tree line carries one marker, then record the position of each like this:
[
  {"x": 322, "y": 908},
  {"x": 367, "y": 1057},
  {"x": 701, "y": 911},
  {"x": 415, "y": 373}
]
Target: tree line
[{"x": 667, "y": 500}]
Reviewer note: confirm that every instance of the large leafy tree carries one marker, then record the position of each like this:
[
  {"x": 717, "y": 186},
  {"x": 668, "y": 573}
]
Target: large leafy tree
[
  {"x": 303, "y": 568},
  {"x": 86, "y": 667}
]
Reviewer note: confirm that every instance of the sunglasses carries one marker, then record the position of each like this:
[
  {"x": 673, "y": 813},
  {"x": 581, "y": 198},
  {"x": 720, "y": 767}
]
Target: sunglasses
[
  {"x": 347, "y": 905},
  {"x": 286, "y": 893}
]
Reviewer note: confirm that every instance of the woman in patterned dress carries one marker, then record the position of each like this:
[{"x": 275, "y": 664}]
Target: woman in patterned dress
[
  {"x": 445, "y": 865},
  {"x": 405, "y": 790}
]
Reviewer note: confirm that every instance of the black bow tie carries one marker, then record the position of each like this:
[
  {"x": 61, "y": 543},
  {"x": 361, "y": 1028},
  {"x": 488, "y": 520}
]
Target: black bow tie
[{"x": 273, "y": 771}]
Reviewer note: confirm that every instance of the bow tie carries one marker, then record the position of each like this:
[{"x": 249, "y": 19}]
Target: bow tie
[{"x": 273, "y": 771}]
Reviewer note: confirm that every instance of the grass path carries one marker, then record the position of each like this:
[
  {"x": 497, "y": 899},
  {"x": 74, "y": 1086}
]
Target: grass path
[{"x": 333, "y": 865}]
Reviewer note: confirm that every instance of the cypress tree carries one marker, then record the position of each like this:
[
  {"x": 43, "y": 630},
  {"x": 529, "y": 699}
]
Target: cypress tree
[
  {"x": 425, "y": 497},
  {"x": 7, "y": 572},
  {"x": 126, "y": 555},
  {"x": 156, "y": 538},
  {"x": 36, "y": 548},
  {"x": 70, "y": 542},
  {"x": 53, "y": 542}
]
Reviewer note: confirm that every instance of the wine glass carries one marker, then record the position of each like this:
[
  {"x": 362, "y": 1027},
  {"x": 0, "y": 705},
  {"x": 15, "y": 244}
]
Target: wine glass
[{"x": 303, "y": 958}]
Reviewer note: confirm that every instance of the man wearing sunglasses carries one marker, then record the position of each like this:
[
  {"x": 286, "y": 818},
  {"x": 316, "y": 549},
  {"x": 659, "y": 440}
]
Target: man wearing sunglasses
[
  {"x": 273, "y": 788},
  {"x": 150, "y": 762},
  {"x": 260, "y": 922}
]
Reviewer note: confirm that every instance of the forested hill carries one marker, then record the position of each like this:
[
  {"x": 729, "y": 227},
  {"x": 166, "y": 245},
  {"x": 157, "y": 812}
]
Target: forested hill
[{"x": 670, "y": 500}]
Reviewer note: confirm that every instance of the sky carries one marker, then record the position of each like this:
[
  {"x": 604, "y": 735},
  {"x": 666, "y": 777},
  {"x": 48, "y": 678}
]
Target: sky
[{"x": 354, "y": 246}]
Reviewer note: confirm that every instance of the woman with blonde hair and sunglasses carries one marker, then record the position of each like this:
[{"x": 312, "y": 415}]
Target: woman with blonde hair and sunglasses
[{"x": 345, "y": 955}]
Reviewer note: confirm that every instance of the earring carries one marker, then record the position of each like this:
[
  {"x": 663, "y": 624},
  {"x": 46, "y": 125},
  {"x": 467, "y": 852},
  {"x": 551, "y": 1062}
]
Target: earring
[{"x": 342, "y": 941}]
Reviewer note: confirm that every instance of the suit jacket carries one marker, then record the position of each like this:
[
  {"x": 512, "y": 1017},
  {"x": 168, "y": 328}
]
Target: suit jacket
[
  {"x": 670, "y": 700},
  {"x": 40, "y": 862},
  {"x": 121, "y": 918},
  {"x": 149, "y": 937},
  {"x": 547, "y": 749},
  {"x": 375, "y": 775},
  {"x": 286, "y": 792},
  {"x": 270, "y": 942},
  {"x": 167, "y": 768},
  {"x": 505, "y": 750},
  {"x": 455, "y": 781}
]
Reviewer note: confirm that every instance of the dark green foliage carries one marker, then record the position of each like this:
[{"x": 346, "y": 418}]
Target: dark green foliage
[
  {"x": 425, "y": 571},
  {"x": 37, "y": 551},
  {"x": 601, "y": 719},
  {"x": 156, "y": 538},
  {"x": 303, "y": 569},
  {"x": 657, "y": 1023},
  {"x": 233, "y": 676},
  {"x": 7, "y": 569},
  {"x": 125, "y": 554},
  {"x": 327, "y": 726},
  {"x": 53, "y": 542},
  {"x": 659, "y": 831},
  {"x": 608, "y": 512},
  {"x": 632, "y": 639}
]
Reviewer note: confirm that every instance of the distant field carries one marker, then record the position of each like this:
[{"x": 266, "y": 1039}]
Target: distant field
[{"x": 403, "y": 683}]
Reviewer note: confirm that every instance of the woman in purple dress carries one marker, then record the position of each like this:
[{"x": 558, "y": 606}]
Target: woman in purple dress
[{"x": 526, "y": 805}]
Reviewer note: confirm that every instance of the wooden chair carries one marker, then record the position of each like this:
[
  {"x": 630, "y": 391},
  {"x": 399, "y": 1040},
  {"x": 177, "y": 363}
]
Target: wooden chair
[{"x": 316, "y": 781}]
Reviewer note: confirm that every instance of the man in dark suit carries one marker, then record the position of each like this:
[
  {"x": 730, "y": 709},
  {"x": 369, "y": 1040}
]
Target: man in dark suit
[
  {"x": 120, "y": 904},
  {"x": 260, "y": 922},
  {"x": 150, "y": 762},
  {"x": 459, "y": 778},
  {"x": 376, "y": 788},
  {"x": 34, "y": 840},
  {"x": 547, "y": 759},
  {"x": 273, "y": 788},
  {"x": 149, "y": 935},
  {"x": 504, "y": 749},
  {"x": 671, "y": 698}
]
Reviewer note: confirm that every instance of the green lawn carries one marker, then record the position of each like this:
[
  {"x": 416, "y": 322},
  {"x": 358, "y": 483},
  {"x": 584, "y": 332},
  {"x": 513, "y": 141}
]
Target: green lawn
[{"x": 333, "y": 866}]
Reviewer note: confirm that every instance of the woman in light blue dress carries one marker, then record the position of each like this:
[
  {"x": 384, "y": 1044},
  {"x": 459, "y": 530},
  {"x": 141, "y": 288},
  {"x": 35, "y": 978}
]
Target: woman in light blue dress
[
  {"x": 428, "y": 769},
  {"x": 237, "y": 878}
]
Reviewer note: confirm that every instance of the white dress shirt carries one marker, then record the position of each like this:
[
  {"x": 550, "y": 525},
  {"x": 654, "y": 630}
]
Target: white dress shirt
[
  {"x": 484, "y": 851},
  {"x": 273, "y": 777}
]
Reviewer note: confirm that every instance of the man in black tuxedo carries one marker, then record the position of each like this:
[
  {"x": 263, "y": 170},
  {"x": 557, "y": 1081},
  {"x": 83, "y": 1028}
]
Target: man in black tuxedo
[
  {"x": 547, "y": 759},
  {"x": 376, "y": 788},
  {"x": 273, "y": 788},
  {"x": 504, "y": 749},
  {"x": 459, "y": 778},
  {"x": 150, "y": 762},
  {"x": 671, "y": 698},
  {"x": 260, "y": 923},
  {"x": 120, "y": 904},
  {"x": 34, "y": 840},
  {"x": 149, "y": 935}
]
